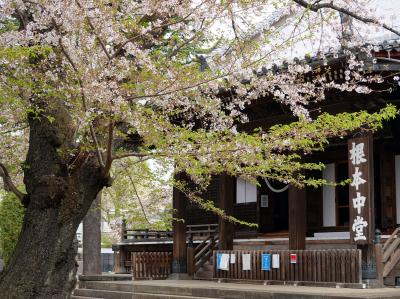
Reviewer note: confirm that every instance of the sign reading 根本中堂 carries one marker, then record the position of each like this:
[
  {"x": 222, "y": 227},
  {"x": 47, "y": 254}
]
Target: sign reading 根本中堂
[{"x": 361, "y": 189}]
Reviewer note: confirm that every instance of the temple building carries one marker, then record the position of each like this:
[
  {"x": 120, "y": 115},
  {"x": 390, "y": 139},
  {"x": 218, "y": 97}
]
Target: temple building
[{"x": 305, "y": 225}]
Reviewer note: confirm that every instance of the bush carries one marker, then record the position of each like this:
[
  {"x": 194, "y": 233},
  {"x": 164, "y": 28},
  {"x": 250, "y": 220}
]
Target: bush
[
  {"x": 11, "y": 217},
  {"x": 107, "y": 240}
]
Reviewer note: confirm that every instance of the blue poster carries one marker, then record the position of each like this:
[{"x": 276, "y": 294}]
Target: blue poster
[
  {"x": 219, "y": 255},
  {"x": 266, "y": 262}
]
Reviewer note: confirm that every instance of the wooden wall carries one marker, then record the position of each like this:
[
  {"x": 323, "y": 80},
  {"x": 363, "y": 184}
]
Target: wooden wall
[
  {"x": 196, "y": 215},
  {"x": 246, "y": 212}
]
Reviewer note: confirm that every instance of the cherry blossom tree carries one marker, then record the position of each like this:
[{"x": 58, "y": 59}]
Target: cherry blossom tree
[
  {"x": 86, "y": 83},
  {"x": 141, "y": 195}
]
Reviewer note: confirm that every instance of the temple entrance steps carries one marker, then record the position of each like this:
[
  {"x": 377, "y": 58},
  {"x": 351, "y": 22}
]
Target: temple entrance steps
[
  {"x": 206, "y": 271},
  {"x": 390, "y": 280},
  {"x": 391, "y": 258},
  {"x": 197, "y": 289},
  {"x": 200, "y": 258},
  {"x": 127, "y": 290},
  {"x": 94, "y": 294}
]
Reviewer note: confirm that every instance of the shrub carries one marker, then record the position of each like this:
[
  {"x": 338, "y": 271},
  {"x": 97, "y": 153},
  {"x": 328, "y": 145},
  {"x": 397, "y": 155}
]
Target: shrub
[{"x": 11, "y": 217}]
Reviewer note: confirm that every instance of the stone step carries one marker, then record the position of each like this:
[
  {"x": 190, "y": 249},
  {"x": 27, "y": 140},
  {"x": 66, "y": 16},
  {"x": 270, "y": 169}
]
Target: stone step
[
  {"x": 104, "y": 294},
  {"x": 107, "y": 286},
  {"x": 105, "y": 277},
  {"x": 91, "y": 293},
  {"x": 204, "y": 274},
  {"x": 130, "y": 288},
  {"x": 200, "y": 289}
]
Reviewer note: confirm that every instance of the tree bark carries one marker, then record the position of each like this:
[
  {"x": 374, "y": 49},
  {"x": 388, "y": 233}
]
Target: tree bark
[{"x": 59, "y": 195}]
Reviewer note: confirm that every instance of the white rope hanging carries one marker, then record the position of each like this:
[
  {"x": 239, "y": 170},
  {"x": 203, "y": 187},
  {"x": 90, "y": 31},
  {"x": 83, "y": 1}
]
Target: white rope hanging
[{"x": 276, "y": 190}]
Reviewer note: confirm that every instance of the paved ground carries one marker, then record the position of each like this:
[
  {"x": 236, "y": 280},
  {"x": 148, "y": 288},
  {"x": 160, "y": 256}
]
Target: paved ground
[{"x": 297, "y": 291}]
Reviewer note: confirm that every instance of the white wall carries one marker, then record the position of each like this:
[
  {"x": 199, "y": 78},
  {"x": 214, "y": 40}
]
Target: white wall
[{"x": 328, "y": 196}]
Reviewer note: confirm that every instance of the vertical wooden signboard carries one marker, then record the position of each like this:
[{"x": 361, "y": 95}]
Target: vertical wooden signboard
[{"x": 361, "y": 190}]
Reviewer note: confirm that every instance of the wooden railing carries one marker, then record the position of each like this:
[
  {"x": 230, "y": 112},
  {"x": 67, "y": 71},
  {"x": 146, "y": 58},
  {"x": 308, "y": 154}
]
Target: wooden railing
[
  {"x": 193, "y": 231},
  {"x": 201, "y": 230},
  {"x": 151, "y": 265},
  {"x": 340, "y": 266},
  {"x": 391, "y": 252},
  {"x": 146, "y": 234}
]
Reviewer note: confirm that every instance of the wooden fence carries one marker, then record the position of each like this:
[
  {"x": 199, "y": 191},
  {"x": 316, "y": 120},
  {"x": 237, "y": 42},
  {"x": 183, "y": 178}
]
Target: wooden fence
[
  {"x": 340, "y": 266},
  {"x": 151, "y": 265}
]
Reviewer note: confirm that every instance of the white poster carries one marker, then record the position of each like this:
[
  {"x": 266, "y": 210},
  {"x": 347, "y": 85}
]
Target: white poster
[
  {"x": 246, "y": 261},
  {"x": 224, "y": 265},
  {"x": 233, "y": 258},
  {"x": 275, "y": 261}
]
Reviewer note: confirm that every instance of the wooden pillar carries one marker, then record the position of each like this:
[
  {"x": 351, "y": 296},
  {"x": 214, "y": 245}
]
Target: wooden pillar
[
  {"x": 297, "y": 218},
  {"x": 92, "y": 239},
  {"x": 226, "y": 228},
  {"x": 190, "y": 260},
  {"x": 387, "y": 191},
  {"x": 179, "y": 258}
]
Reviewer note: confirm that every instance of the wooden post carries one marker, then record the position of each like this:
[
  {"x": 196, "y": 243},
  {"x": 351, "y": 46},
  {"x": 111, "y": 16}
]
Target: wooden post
[
  {"x": 133, "y": 265},
  {"x": 379, "y": 263},
  {"x": 297, "y": 218},
  {"x": 179, "y": 258},
  {"x": 120, "y": 255},
  {"x": 226, "y": 228},
  {"x": 117, "y": 268},
  {"x": 92, "y": 239},
  {"x": 121, "y": 263},
  {"x": 190, "y": 260},
  {"x": 361, "y": 201}
]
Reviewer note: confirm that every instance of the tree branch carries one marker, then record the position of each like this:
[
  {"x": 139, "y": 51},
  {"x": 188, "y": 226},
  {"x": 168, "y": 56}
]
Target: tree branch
[
  {"x": 103, "y": 46},
  {"x": 110, "y": 142},
  {"x": 138, "y": 198},
  {"x": 8, "y": 183},
  {"x": 317, "y": 6},
  {"x": 80, "y": 81},
  {"x": 164, "y": 25}
]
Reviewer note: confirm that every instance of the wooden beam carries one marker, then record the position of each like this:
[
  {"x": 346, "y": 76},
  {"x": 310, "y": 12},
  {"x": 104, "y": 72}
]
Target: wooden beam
[
  {"x": 226, "y": 228},
  {"x": 297, "y": 218}
]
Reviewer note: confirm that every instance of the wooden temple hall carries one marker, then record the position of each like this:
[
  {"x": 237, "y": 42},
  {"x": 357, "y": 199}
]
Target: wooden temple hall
[{"x": 333, "y": 235}]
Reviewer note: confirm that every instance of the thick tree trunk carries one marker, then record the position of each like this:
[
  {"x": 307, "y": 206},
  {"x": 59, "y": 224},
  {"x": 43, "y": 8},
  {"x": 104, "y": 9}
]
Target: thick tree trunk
[
  {"x": 43, "y": 264},
  {"x": 59, "y": 193},
  {"x": 91, "y": 239}
]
